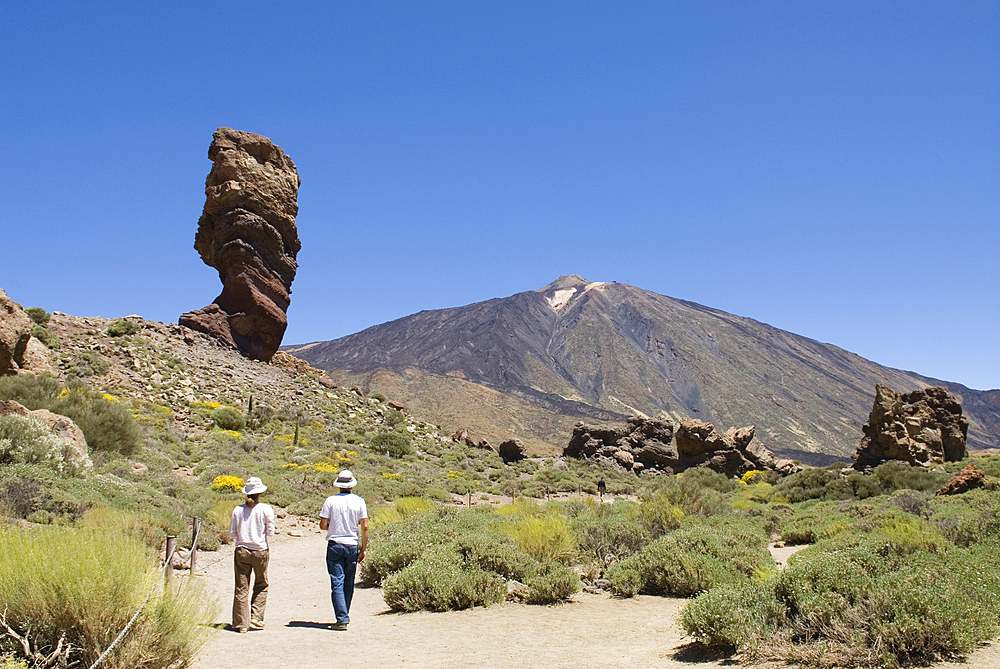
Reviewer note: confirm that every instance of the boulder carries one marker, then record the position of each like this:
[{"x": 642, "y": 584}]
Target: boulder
[
  {"x": 15, "y": 331},
  {"x": 923, "y": 427},
  {"x": 247, "y": 232},
  {"x": 696, "y": 437},
  {"x": 512, "y": 450},
  {"x": 969, "y": 478},
  {"x": 75, "y": 444}
]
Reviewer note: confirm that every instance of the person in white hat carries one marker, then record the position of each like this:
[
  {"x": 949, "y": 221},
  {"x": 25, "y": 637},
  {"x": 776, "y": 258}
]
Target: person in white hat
[
  {"x": 251, "y": 524},
  {"x": 344, "y": 517}
]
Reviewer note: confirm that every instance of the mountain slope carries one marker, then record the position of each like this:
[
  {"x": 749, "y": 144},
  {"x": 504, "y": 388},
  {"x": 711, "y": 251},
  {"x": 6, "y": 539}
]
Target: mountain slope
[{"x": 608, "y": 350}]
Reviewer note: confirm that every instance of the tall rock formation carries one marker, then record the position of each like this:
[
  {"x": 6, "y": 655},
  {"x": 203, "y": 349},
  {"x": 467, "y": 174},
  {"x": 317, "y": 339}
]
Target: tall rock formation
[
  {"x": 247, "y": 232},
  {"x": 922, "y": 427}
]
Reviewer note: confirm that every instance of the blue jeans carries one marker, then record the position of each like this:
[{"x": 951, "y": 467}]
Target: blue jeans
[{"x": 342, "y": 565}]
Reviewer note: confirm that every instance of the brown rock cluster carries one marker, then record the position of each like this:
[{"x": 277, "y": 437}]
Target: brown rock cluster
[
  {"x": 653, "y": 444},
  {"x": 968, "y": 479},
  {"x": 15, "y": 331},
  {"x": 923, "y": 427},
  {"x": 247, "y": 232}
]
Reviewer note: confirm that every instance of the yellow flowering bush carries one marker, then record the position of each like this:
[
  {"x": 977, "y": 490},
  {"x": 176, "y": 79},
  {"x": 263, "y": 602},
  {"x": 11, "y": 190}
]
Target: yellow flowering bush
[
  {"x": 110, "y": 398},
  {"x": 392, "y": 476},
  {"x": 751, "y": 476},
  {"x": 227, "y": 483}
]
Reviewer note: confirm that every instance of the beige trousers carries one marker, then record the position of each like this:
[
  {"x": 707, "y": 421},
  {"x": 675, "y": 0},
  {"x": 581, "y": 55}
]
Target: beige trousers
[{"x": 245, "y": 562}]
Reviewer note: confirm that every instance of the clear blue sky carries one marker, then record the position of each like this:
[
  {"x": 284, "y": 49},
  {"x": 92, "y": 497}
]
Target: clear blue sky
[{"x": 829, "y": 168}]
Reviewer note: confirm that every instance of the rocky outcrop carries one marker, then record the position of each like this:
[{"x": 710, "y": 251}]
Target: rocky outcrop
[
  {"x": 15, "y": 331},
  {"x": 645, "y": 443},
  {"x": 968, "y": 479},
  {"x": 512, "y": 450},
  {"x": 922, "y": 427},
  {"x": 75, "y": 449},
  {"x": 247, "y": 232}
]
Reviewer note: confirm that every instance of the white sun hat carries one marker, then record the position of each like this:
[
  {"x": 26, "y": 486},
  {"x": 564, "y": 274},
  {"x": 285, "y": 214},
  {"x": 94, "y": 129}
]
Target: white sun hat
[
  {"x": 254, "y": 486},
  {"x": 345, "y": 479}
]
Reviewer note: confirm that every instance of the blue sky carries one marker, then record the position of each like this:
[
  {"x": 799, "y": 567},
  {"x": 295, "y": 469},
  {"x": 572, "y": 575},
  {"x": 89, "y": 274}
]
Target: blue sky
[{"x": 829, "y": 168}]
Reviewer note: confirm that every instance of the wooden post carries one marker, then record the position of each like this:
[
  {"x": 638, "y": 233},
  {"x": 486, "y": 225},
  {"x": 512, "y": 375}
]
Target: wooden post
[
  {"x": 470, "y": 498},
  {"x": 169, "y": 571},
  {"x": 194, "y": 539}
]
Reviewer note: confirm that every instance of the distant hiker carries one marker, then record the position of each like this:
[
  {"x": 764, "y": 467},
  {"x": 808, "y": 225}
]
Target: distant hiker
[
  {"x": 342, "y": 517},
  {"x": 251, "y": 524},
  {"x": 601, "y": 488}
]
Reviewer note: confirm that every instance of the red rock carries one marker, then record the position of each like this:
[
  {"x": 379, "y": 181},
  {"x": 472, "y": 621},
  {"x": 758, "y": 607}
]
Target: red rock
[
  {"x": 247, "y": 232},
  {"x": 970, "y": 477}
]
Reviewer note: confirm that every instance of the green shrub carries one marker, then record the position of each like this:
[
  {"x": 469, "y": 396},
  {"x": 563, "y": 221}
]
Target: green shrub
[
  {"x": 26, "y": 440},
  {"x": 545, "y": 538},
  {"x": 553, "y": 582},
  {"x": 659, "y": 516},
  {"x": 86, "y": 363},
  {"x": 142, "y": 526},
  {"x": 734, "y": 615},
  {"x": 31, "y": 391},
  {"x": 809, "y": 525},
  {"x": 968, "y": 519},
  {"x": 707, "y": 477},
  {"x": 394, "y": 417},
  {"x": 107, "y": 425},
  {"x": 895, "y": 475},
  {"x": 121, "y": 327},
  {"x": 38, "y": 315},
  {"x": 85, "y": 585},
  {"x": 393, "y": 444},
  {"x": 229, "y": 418},
  {"x": 814, "y": 483},
  {"x": 46, "y": 336},
  {"x": 687, "y": 492},
  {"x": 694, "y": 559},
  {"x": 611, "y": 537},
  {"x": 440, "y": 581}
]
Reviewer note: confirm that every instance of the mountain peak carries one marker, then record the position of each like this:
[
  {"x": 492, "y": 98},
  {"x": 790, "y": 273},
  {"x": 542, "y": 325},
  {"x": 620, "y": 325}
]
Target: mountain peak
[{"x": 561, "y": 292}]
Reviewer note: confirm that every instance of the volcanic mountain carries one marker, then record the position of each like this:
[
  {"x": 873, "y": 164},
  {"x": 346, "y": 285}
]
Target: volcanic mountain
[{"x": 531, "y": 364}]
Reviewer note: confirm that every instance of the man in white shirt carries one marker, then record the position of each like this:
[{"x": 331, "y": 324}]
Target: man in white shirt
[
  {"x": 251, "y": 524},
  {"x": 343, "y": 516}
]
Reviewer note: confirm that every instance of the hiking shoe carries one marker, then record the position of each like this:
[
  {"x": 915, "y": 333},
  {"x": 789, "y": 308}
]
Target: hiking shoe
[
  {"x": 242, "y": 630},
  {"x": 256, "y": 625},
  {"x": 339, "y": 627}
]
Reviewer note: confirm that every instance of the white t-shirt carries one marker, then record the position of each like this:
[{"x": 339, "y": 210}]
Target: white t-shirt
[
  {"x": 344, "y": 511},
  {"x": 250, "y": 526}
]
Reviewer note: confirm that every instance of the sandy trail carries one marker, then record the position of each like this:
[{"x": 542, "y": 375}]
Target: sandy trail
[{"x": 592, "y": 631}]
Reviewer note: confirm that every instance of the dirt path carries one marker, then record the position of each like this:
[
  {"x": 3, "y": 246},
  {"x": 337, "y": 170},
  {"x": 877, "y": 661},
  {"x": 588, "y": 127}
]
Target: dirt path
[{"x": 592, "y": 631}]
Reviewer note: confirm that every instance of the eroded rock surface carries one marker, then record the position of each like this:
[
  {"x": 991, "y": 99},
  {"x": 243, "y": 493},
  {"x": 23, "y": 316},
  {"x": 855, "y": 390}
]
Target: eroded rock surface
[
  {"x": 922, "y": 427},
  {"x": 247, "y": 232},
  {"x": 15, "y": 331},
  {"x": 653, "y": 444}
]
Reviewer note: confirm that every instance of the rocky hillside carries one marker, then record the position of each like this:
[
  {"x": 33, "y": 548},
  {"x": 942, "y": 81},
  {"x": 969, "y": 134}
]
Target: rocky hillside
[{"x": 608, "y": 350}]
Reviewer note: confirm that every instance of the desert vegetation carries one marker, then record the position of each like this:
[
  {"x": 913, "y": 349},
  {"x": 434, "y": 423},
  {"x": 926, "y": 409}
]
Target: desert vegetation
[{"x": 891, "y": 575}]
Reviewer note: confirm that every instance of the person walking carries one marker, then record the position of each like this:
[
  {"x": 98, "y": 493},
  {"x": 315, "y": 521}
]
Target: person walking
[
  {"x": 251, "y": 524},
  {"x": 345, "y": 519}
]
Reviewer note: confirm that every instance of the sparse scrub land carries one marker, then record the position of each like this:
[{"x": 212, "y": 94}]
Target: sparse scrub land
[
  {"x": 893, "y": 576},
  {"x": 69, "y": 592}
]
